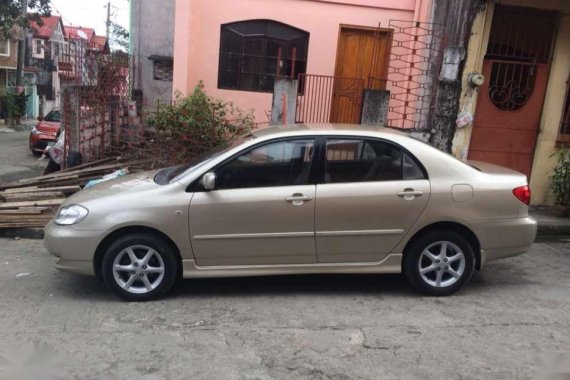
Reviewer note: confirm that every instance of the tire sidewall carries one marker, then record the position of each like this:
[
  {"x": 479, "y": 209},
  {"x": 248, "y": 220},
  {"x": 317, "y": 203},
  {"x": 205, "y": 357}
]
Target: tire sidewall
[
  {"x": 414, "y": 252},
  {"x": 164, "y": 249}
]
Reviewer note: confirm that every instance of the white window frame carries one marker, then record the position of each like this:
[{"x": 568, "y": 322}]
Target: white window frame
[{"x": 7, "y": 54}]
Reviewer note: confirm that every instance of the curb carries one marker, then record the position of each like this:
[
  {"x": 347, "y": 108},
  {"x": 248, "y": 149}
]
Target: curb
[
  {"x": 553, "y": 230},
  {"x": 22, "y": 233}
]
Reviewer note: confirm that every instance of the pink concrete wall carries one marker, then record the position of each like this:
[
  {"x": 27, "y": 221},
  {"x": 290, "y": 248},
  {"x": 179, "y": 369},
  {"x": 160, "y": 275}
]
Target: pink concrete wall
[{"x": 197, "y": 36}]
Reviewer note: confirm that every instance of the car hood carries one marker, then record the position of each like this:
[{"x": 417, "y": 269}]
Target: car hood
[{"x": 127, "y": 185}]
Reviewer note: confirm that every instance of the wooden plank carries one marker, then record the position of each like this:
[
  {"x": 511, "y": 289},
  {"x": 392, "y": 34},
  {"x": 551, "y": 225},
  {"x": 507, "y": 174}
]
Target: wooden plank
[
  {"x": 33, "y": 196},
  {"x": 15, "y": 205},
  {"x": 24, "y": 225},
  {"x": 63, "y": 189},
  {"x": 25, "y": 210},
  {"x": 93, "y": 163}
]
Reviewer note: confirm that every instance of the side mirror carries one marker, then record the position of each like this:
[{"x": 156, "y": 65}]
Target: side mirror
[
  {"x": 40, "y": 118},
  {"x": 209, "y": 181}
]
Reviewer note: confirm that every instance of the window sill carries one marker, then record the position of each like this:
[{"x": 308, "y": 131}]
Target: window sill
[{"x": 563, "y": 140}]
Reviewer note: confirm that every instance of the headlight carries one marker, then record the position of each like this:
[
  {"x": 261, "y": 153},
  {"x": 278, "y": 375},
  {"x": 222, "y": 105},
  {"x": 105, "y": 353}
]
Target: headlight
[
  {"x": 70, "y": 215},
  {"x": 35, "y": 131}
]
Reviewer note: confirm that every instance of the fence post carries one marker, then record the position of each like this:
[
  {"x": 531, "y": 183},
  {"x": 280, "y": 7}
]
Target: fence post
[
  {"x": 284, "y": 105},
  {"x": 375, "y": 107}
]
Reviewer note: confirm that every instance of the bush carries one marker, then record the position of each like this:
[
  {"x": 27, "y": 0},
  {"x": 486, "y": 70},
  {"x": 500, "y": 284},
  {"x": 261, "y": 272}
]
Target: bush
[
  {"x": 560, "y": 179},
  {"x": 13, "y": 105},
  {"x": 195, "y": 124}
]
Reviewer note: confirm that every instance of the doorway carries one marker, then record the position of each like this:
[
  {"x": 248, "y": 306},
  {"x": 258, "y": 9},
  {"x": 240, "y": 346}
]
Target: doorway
[
  {"x": 361, "y": 62},
  {"x": 509, "y": 104}
]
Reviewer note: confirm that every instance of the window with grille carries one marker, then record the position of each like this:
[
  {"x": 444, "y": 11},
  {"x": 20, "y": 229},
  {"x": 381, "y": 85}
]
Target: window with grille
[
  {"x": 564, "y": 132},
  {"x": 163, "y": 70},
  {"x": 253, "y": 53},
  {"x": 4, "y": 47}
]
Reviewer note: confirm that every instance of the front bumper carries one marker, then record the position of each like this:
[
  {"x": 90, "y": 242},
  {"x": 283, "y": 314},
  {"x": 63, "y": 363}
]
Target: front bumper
[
  {"x": 504, "y": 238},
  {"x": 73, "y": 249}
]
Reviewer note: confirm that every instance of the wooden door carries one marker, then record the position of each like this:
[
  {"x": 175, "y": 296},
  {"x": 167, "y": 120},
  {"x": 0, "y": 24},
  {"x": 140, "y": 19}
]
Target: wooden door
[
  {"x": 508, "y": 114},
  {"x": 361, "y": 63}
]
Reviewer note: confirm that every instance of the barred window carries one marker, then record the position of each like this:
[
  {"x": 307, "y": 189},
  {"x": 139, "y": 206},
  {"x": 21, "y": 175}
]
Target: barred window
[
  {"x": 564, "y": 132},
  {"x": 253, "y": 53},
  {"x": 163, "y": 70},
  {"x": 4, "y": 47}
]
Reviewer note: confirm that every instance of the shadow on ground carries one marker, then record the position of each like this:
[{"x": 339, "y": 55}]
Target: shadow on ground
[{"x": 75, "y": 286}]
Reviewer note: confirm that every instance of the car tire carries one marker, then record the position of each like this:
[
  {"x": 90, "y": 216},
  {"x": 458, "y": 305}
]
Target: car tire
[
  {"x": 147, "y": 275},
  {"x": 439, "y": 262},
  {"x": 36, "y": 153}
]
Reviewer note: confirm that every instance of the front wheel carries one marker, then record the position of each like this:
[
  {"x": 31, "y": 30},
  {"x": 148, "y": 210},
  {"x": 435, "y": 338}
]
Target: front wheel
[
  {"x": 140, "y": 267},
  {"x": 439, "y": 263}
]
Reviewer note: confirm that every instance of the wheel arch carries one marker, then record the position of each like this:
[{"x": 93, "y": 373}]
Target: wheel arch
[
  {"x": 463, "y": 230},
  {"x": 106, "y": 242}
]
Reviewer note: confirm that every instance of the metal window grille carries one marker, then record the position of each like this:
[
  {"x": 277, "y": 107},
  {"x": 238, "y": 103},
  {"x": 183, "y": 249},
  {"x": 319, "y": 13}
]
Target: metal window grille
[{"x": 564, "y": 131}]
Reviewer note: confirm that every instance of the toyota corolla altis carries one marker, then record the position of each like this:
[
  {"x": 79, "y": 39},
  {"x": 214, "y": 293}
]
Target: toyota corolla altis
[{"x": 298, "y": 199}]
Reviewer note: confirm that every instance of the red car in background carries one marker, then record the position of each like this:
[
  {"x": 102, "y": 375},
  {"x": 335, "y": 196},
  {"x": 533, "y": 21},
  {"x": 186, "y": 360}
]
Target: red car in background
[{"x": 45, "y": 132}]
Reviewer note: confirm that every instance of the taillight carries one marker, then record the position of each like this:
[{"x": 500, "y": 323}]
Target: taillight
[{"x": 523, "y": 194}]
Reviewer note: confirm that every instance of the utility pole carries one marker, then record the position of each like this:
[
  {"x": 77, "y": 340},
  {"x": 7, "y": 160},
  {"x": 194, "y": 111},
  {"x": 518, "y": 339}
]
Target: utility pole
[
  {"x": 108, "y": 19},
  {"x": 21, "y": 51}
]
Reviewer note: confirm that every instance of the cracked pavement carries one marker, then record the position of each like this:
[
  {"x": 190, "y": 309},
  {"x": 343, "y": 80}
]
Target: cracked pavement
[{"x": 513, "y": 317}]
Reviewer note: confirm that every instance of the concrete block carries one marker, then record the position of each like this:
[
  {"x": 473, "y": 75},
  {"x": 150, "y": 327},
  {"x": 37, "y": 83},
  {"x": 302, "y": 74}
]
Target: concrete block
[
  {"x": 375, "y": 107},
  {"x": 284, "y": 105}
]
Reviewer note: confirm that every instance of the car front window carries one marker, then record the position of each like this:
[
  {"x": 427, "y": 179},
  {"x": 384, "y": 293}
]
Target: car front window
[
  {"x": 283, "y": 163},
  {"x": 177, "y": 172},
  {"x": 53, "y": 116}
]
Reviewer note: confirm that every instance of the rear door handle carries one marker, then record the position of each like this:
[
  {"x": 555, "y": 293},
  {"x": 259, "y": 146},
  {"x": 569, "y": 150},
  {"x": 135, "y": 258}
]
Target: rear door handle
[
  {"x": 410, "y": 193},
  {"x": 298, "y": 199}
]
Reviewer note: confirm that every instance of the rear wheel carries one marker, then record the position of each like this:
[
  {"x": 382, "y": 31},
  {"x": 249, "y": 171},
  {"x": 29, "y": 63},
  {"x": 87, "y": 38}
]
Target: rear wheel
[
  {"x": 140, "y": 267},
  {"x": 439, "y": 263}
]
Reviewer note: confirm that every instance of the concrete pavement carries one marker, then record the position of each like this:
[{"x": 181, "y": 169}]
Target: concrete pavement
[
  {"x": 16, "y": 160},
  {"x": 512, "y": 318}
]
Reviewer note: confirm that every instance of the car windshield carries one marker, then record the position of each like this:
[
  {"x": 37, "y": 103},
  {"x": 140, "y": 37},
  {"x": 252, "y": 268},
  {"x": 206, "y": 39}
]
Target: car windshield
[
  {"x": 179, "y": 171},
  {"x": 53, "y": 116}
]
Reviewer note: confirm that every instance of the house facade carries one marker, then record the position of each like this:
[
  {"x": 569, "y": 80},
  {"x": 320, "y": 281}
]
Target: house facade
[
  {"x": 8, "y": 59},
  {"x": 237, "y": 49},
  {"x": 45, "y": 48},
  {"x": 152, "y": 48},
  {"x": 498, "y": 90}
]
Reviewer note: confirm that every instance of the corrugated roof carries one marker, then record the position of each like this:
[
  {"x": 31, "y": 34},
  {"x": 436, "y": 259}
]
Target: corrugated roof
[
  {"x": 71, "y": 32},
  {"x": 46, "y": 30},
  {"x": 98, "y": 43}
]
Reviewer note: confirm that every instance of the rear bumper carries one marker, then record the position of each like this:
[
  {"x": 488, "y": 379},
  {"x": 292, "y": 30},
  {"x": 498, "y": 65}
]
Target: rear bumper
[
  {"x": 504, "y": 238},
  {"x": 73, "y": 249}
]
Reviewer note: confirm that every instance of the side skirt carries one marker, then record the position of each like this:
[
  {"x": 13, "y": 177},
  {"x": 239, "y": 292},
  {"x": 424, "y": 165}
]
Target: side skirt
[{"x": 391, "y": 264}]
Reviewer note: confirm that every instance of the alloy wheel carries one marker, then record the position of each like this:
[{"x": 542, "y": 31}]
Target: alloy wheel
[
  {"x": 138, "y": 269},
  {"x": 441, "y": 264}
]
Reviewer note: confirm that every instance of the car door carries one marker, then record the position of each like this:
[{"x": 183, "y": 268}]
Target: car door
[
  {"x": 373, "y": 193},
  {"x": 261, "y": 211}
]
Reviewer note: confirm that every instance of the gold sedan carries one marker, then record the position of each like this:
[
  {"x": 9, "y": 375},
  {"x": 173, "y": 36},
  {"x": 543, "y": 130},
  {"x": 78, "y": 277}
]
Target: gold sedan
[{"x": 298, "y": 199}]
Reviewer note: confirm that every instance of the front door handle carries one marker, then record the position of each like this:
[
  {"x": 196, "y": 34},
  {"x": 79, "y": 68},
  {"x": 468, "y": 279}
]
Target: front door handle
[
  {"x": 409, "y": 194},
  {"x": 298, "y": 199}
]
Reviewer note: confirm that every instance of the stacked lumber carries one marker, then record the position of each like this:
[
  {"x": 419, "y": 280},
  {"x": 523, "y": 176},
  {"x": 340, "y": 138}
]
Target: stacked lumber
[{"x": 32, "y": 202}]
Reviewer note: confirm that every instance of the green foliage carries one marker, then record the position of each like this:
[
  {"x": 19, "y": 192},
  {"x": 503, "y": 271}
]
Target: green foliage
[
  {"x": 16, "y": 104},
  {"x": 120, "y": 36},
  {"x": 11, "y": 14},
  {"x": 197, "y": 123},
  {"x": 560, "y": 179}
]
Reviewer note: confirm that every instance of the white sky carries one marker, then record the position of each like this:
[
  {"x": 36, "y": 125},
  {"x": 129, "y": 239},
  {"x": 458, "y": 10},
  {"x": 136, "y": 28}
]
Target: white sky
[{"x": 91, "y": 13}]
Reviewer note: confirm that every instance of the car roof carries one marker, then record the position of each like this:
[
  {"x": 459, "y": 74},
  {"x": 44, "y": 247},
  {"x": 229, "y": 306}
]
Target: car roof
[{"x": 324, "y": 129}]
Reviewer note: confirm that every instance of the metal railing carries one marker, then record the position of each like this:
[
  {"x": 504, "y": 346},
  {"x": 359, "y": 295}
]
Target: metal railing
[{"x": 329, "y": 99}]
